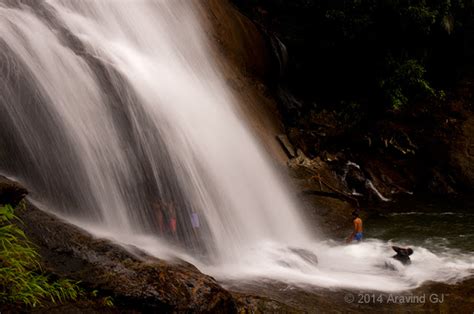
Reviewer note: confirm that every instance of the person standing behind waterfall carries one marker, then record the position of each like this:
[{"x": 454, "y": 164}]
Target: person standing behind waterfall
[
  {"x": 195, "y": 221},
  {"x": 196, "y": 224},
  {"x": 357, "y": 233},
  {"x": 195, "y": 234},
  {"x": 160, "y": 219},
  {"x": 172, "y": 221}
]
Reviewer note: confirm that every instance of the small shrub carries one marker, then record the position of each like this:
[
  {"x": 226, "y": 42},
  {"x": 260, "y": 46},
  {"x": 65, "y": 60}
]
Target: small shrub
[
  {"x": 108, "y": 301},
  {"x": 407, "y": 79}
]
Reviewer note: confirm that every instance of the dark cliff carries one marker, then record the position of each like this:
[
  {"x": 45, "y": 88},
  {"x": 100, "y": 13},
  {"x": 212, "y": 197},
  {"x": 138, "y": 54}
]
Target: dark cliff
[{"x": 387, "y": 85}]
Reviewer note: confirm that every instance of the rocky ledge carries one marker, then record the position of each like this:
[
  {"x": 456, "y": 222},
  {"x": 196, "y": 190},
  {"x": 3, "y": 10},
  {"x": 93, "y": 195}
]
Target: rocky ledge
[
  {"x": 429, "y": 298},
  {"x": 141, "y": 283},
  {"x": 136, "y": 281},
  {"x": 132, "y": 278}
]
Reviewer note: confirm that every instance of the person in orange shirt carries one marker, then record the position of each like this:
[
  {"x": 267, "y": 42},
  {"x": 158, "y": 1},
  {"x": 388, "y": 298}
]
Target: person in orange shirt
[
  {"x": 172, "y": 220},
  {"x": 357, "y": 234}
]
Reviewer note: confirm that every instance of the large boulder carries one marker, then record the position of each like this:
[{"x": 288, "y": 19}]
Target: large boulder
[
  {"x": 133, "y": 278},
  {"x": 324, "y": 196}
]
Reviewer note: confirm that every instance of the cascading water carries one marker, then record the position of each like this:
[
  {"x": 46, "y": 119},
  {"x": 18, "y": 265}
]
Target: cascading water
[
  {"x": 169, "y": 133},
  {"x": 116, "y": 116}
]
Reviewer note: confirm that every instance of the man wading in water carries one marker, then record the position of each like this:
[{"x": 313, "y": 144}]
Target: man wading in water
[{"x": 357, "y": 233}]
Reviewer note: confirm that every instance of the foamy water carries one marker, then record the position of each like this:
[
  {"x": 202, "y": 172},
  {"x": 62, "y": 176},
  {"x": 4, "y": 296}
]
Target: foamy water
[
  {"x": 357, "y": 266},
  {"x": 367, "y": 265}
]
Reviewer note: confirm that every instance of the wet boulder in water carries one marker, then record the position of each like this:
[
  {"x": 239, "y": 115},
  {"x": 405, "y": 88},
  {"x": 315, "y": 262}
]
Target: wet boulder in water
[
  {"x": 11, "y": 192},
  {"x": 403, "y": 255},
  {"x": 306, "y": 255}
]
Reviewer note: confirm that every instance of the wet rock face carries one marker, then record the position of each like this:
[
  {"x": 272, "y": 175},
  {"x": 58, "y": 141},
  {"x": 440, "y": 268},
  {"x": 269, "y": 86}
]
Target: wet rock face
[
  {"x": 325, "y": 198},
  {"x": 355, "y": 178},
  {"x": 428, "y": 150},
  {"x": 11, "y": 192},
  {"x": 133, "y": 279},
  {"x": 137, "y": 282},
  {"x": 462, "y": 154},
  {"x": 440, "y": 298}
]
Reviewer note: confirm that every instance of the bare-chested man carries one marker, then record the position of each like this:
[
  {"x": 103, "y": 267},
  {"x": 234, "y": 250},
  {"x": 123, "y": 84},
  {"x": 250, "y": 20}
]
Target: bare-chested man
[{"x": 357, "y": 233}]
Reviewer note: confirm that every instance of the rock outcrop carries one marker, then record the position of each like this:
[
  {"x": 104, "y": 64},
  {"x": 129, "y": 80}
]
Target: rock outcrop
[
  {"x": 132, "y": 277},
  {"x": 11, "y": 192},
  {"x": 425, "y": 149},
  {"x": 137, "y": 281}
]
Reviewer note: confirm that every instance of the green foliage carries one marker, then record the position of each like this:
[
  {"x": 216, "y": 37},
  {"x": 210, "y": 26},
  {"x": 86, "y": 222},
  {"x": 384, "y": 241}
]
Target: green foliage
[
  {"x": 397, "y": 44},
  {"x": 420, "y": 18},
  {"x": 384, "y": 55},
  {"x": 21, "y": 278},
  {"x": 108, "y": 301},
  {"x": 406, "y": 78}
]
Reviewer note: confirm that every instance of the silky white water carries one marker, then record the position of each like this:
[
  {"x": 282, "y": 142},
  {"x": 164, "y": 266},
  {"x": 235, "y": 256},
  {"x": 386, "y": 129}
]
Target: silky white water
[
  {"x": 199, "y": 153},
  {"x": 366, "y": 266},
  {"x": 110, "y": 107}
]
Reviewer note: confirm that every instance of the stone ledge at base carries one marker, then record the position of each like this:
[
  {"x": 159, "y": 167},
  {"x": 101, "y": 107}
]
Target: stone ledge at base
[
  {"x": 133, "y": 279},
  {"x": 136, "y": 281}
]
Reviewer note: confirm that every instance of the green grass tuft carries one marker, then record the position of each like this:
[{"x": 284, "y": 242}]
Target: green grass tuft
[{"x": 21, "y": 279}]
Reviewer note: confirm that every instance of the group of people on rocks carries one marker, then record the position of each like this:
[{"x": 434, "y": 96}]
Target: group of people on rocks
[
  {"x": 176, "y": 225},
  {"x": 166, "y": 219}
]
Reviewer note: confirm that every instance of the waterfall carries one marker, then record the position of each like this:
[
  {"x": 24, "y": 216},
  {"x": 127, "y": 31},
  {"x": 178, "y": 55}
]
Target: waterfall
[
  {"x": 115, "y": 115},
  {"x": 114, "y": 112}
]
